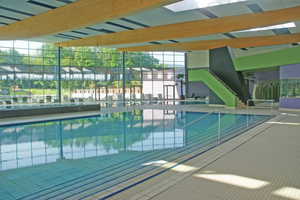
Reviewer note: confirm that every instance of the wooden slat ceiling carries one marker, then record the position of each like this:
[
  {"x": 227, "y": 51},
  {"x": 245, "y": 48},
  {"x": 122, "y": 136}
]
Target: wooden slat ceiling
[
  {"x": 211, "y": 44},
  {"x": 76, "y": 15},
  {"x": 191, "y": 29},
  {"x": 135, "y": 25}
]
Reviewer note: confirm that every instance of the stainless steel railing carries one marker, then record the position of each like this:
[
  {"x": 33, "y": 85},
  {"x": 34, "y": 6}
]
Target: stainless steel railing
[
  {"x": 260, "y": 105},
  {"x": 221, "y": 82},
  {"x": 219, "y": 131},
  {"x": 266, "y": 101}
]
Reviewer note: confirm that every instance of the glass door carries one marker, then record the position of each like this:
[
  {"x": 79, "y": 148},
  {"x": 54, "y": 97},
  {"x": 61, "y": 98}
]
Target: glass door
[
  {"x": 169, "y": 91},
  {"x": 102, "y": 93},
  {"x": 135, "y": 92}
]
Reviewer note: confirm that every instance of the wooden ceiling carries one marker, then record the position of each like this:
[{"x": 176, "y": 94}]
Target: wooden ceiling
[
  {"x": 135, "y": 25},
  {"x": 77, "y": 15}
]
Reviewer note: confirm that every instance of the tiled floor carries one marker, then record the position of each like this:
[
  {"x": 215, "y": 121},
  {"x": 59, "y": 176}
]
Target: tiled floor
[
  {"x": 258, "y": 169},
  {"x": 267, "y": 156},
  {"x": 262, "y": 163}
]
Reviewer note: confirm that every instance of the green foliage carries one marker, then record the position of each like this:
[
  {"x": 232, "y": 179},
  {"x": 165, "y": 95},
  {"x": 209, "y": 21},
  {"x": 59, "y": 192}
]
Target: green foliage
[
  {"x": 180, "y": 79},
  {"x": 19, "y": 93},
  {"x": 249, "y": 76},
  {"x": 97, "y": 60},
  {"x": 11, "y": 56}
]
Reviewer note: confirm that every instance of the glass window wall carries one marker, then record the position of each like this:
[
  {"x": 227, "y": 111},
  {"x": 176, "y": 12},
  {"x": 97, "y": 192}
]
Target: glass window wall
[
  {"x": 290, "y": 88},
  {"x": 29, "y": 73}
]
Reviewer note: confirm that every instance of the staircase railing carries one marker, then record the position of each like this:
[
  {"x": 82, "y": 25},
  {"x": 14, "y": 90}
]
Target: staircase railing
[
  {"x": 219, "y": 131},
  {"x": 221, "y": 81}
]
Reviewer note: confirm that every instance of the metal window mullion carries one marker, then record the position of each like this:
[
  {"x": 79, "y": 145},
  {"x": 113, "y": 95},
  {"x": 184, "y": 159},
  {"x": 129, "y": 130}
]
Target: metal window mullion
[
  {"x": 123, "y": 69},
  {"x": 59, "y": 74},
  {"x": 186, "y": 75}
]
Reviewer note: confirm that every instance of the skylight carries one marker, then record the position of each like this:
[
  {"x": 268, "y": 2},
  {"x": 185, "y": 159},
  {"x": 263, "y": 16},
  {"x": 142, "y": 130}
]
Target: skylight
[
  {"x": 195, "y": 4},
  {"x": 286, "y": 25}
]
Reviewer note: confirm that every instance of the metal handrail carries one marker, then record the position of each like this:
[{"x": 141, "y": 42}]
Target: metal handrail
[
  {"x": 259, "y": 106},
  {"x": 219, "y": 132},
  {"x": 221, "y": 82}
]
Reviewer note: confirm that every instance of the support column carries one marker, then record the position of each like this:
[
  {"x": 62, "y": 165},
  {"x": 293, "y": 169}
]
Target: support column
[
  {"x": 59, "y": 75},
  {"x": 123, "y": 76},
  {"x": 186, "y": 76}
]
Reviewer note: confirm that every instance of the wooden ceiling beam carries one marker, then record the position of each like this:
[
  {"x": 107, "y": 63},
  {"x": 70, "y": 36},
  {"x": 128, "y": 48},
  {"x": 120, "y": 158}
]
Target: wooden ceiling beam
[
  {"x": 212, "y": 44},
  {"x": 190, "y": 29},
  {"x": 77, "y": 15}
]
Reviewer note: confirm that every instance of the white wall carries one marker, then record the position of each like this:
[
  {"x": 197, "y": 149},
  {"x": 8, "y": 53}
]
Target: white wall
[{"x": 197, "y": 59}]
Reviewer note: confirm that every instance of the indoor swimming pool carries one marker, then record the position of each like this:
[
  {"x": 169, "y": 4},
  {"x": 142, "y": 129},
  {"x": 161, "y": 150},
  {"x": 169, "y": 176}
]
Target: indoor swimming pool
[{"x": 104, "y": 154}]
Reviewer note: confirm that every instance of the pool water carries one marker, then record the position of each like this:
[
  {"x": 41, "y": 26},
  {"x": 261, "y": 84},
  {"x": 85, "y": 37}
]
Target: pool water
[{"x": 101, "y": 155}]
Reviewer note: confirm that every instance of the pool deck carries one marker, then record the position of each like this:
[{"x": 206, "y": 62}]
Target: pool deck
[{"x": 262, "y": 163}]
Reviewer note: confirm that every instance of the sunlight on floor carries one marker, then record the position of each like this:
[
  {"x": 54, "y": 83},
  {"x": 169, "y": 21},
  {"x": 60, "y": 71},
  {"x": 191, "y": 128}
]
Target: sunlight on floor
[
  {"x": 288, "y": 192},
  {"x": 235, "y": 180},
  {"x": 284, "y": 123},
  {"x": 294, "y": 115},
  {"x": 172, "y": 165}
]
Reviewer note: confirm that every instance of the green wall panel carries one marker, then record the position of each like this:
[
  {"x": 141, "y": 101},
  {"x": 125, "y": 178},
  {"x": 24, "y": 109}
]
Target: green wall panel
[
  {"x": 269, "y": 59},
  {"x": 217, "y": 87}
]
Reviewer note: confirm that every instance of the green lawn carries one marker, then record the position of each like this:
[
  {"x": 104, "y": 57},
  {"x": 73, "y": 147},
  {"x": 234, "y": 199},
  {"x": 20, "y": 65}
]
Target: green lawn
[{"x": 38, "y": 92}]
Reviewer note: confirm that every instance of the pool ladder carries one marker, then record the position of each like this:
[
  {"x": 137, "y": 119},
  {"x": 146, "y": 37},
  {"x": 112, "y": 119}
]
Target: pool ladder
[{"x": 219, "y": 131}]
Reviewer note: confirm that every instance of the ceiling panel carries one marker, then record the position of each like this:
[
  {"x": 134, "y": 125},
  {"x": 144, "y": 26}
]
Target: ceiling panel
[
  {"x": 14, "y": 14},
  {"x": 162, "y": 16},
  {"x": 271, "y": 5},
  {"x": 253, "y": 33},
  {"x": 23, "y": 6},
  {"x": 230, "y": 9},
  {"x": 294, "y": 30},
  {"x": 46, "y": 3},
  {"x": 297, "y": 23},
  {"x": 130, "y": 24}
]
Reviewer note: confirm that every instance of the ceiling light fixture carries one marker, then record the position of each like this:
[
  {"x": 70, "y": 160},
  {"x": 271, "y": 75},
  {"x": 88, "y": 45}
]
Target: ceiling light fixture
[
  {"x": 279, "y": 26},
  {"x": 196, "y": 4}
]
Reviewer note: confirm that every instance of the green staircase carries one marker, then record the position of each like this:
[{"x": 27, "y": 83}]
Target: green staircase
[{"x": 226, "y": 94}]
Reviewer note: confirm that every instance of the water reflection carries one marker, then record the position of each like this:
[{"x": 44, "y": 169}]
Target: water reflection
[
  {"x": 44, "y": 142},
  {"x": 146, "y": 130}
]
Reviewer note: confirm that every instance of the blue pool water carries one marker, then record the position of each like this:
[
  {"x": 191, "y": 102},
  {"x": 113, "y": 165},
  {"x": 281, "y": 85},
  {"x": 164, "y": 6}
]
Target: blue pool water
[{"x": 80, "y": 157}]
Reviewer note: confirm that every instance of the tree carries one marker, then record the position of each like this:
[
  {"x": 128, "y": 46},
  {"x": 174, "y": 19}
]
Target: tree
[
  {"x": 84, "y": 57},
  {"x": 11, "y": 56},
  {"x": 180, "y": 79},
  {"x": 249, "y": 77}
]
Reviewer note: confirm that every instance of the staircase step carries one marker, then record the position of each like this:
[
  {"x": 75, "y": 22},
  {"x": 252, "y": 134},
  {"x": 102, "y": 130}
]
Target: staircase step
[{"x": 240, "y": 104}]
